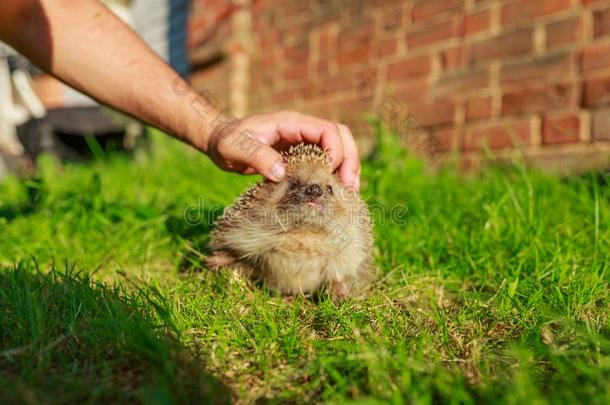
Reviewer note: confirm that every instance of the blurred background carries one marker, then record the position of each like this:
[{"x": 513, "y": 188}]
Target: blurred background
[{"x": 454, "y": 79}]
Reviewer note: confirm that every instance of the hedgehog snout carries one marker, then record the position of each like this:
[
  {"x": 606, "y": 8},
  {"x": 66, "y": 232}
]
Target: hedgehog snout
[{"x": 313, "y": 190}]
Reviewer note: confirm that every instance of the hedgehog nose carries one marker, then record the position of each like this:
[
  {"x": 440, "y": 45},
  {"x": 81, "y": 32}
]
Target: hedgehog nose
[{"x": 313, "y": 190}]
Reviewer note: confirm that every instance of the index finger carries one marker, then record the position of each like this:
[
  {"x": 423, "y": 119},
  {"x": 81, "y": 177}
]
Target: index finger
[
  {"x": 305, "y": 128},
  {"x": 349, "y": 170}
]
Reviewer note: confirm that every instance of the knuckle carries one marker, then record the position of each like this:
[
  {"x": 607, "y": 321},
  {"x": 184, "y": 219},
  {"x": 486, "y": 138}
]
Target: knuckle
[
  {"x": 345, "y": 130},
  {"x": 334, "y": 128},
  {"x": 223, "y": 145}
]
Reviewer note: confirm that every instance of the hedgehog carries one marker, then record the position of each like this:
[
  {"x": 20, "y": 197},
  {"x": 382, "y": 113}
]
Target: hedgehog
[{"x": 304, "y": 234}]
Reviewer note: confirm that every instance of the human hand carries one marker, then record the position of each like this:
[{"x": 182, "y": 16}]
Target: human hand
[{"x": 251, "y": 146}]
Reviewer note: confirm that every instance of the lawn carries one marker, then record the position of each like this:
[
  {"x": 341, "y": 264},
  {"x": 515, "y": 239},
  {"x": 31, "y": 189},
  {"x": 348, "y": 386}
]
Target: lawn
[{"x": 492, "y": 288}]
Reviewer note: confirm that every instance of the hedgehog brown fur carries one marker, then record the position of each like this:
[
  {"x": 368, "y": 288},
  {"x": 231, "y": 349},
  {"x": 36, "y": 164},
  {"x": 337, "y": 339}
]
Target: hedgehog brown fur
[{"x": 298, "y": 235}]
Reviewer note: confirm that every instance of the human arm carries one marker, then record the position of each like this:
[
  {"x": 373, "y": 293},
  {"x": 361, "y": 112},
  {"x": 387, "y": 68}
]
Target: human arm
[{"x": 83, "y": 44}]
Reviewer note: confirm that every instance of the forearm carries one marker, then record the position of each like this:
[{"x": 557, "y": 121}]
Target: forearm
[
  {"x": 93, "y": 51},
  {"x": 82, "y": 43}
]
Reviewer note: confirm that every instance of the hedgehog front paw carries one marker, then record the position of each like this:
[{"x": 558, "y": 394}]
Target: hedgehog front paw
[
  {"x": 220, "y": 259},
  {"x": 338, "y": 289}
]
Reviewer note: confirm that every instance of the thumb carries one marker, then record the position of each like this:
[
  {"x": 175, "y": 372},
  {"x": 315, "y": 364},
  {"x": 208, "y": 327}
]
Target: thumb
[{"x": 268, "y": 162}]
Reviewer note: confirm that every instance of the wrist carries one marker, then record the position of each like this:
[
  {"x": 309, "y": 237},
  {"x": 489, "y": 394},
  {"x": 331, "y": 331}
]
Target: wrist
[
  {"x": 208, "y": 122},
  {"x": 197, "y": 134},
  {"x": 200, "y": 119}
]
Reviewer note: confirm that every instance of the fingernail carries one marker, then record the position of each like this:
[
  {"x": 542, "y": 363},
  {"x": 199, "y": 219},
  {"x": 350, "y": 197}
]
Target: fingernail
[
  {"x": 278, "y": 171},
  {"x": 357, "y": 182}
]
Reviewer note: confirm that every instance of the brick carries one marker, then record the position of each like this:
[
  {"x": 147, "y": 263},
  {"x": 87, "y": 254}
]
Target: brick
[
  {"x": 285, "y": 96},
  {"x": 452, "y": 58},
  {"x": 354, "y": 56},
  {"x": 595, "y": 57},
  {"x": 413, "y": 90},
  {"x": 310, "y": 89},
  {"x": 269, "y": 42},
  {"x": 363, "y": 132},
  {"x": 444, "y": 139},
  {"x": 356, "y": 36},
  {"x": 258, "y": 9},
  {"x": 460, "y": 81},
  {"x": 497, "y": 136},
  {"x": 563, "y": 32},
  {"x": 432, "y": 33},
  {"x": 335, "y": 84},
  {"x": 297, "y": 54},
  {"x": 352, "y": 108},
  {"x": 387, "y": 47},
  {"x": 431, "y": 145},
  {"x": 296, "y": 72},
  {"x": 560, "y": 129},
  {"x": 470, "y": 162},
  {"x": 409, "y": 68},
  {"x": 516, "y": 42},
  {"x": 478, "y": 108},
  {"x": 542, "y": 99},
  {"x": 269, "y": 60},
  {"x": 392, "y": 111},
  {"x": 601, "y": 23},
  {"x": 596, "y": 91},
  {"x": 323, "y": 66},
  {"x": 365, "y": 84},
  {"x": 546, "y": 68},
  {"x": 434, "y": 113},
  {"x": 477, "y": 22},
  {"x": 425, "y": 8},
  {"x": 568, "y": 161},
  {"x": 600, "y": 128},
  {"x": 416, "y": 137},
  {"x": 293, "y": 9},
  {"x": 517, "y": 11}
]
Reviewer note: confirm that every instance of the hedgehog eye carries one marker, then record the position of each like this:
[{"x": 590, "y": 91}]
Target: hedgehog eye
[
  {"x": 329, "y": 188},
  {"x": 293, "y": 185}
]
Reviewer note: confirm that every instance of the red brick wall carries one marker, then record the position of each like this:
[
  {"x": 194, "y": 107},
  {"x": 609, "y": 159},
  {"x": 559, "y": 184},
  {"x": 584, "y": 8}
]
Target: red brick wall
[
  {"x": 533, "y": 73},
  {"x": 209, "y": 33}
]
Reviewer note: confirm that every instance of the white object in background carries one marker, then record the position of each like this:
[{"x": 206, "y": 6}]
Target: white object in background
[
  {"x": 23, "y": 85},
  {"x": 3, "y": 168},
  {"x": 150, "y": 20},
  {"x": 121, "y": 9},
  {"x": 8, "y": 112}
]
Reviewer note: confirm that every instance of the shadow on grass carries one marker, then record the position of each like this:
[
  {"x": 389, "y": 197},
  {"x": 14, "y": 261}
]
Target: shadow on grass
[
  {"x": 194, "y": 229},
  {"x": 35, "y": 192},
  {"x": 65, "y": 338}
]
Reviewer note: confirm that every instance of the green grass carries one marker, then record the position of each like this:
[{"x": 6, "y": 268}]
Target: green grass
[{"x": 493, "y": 288}]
